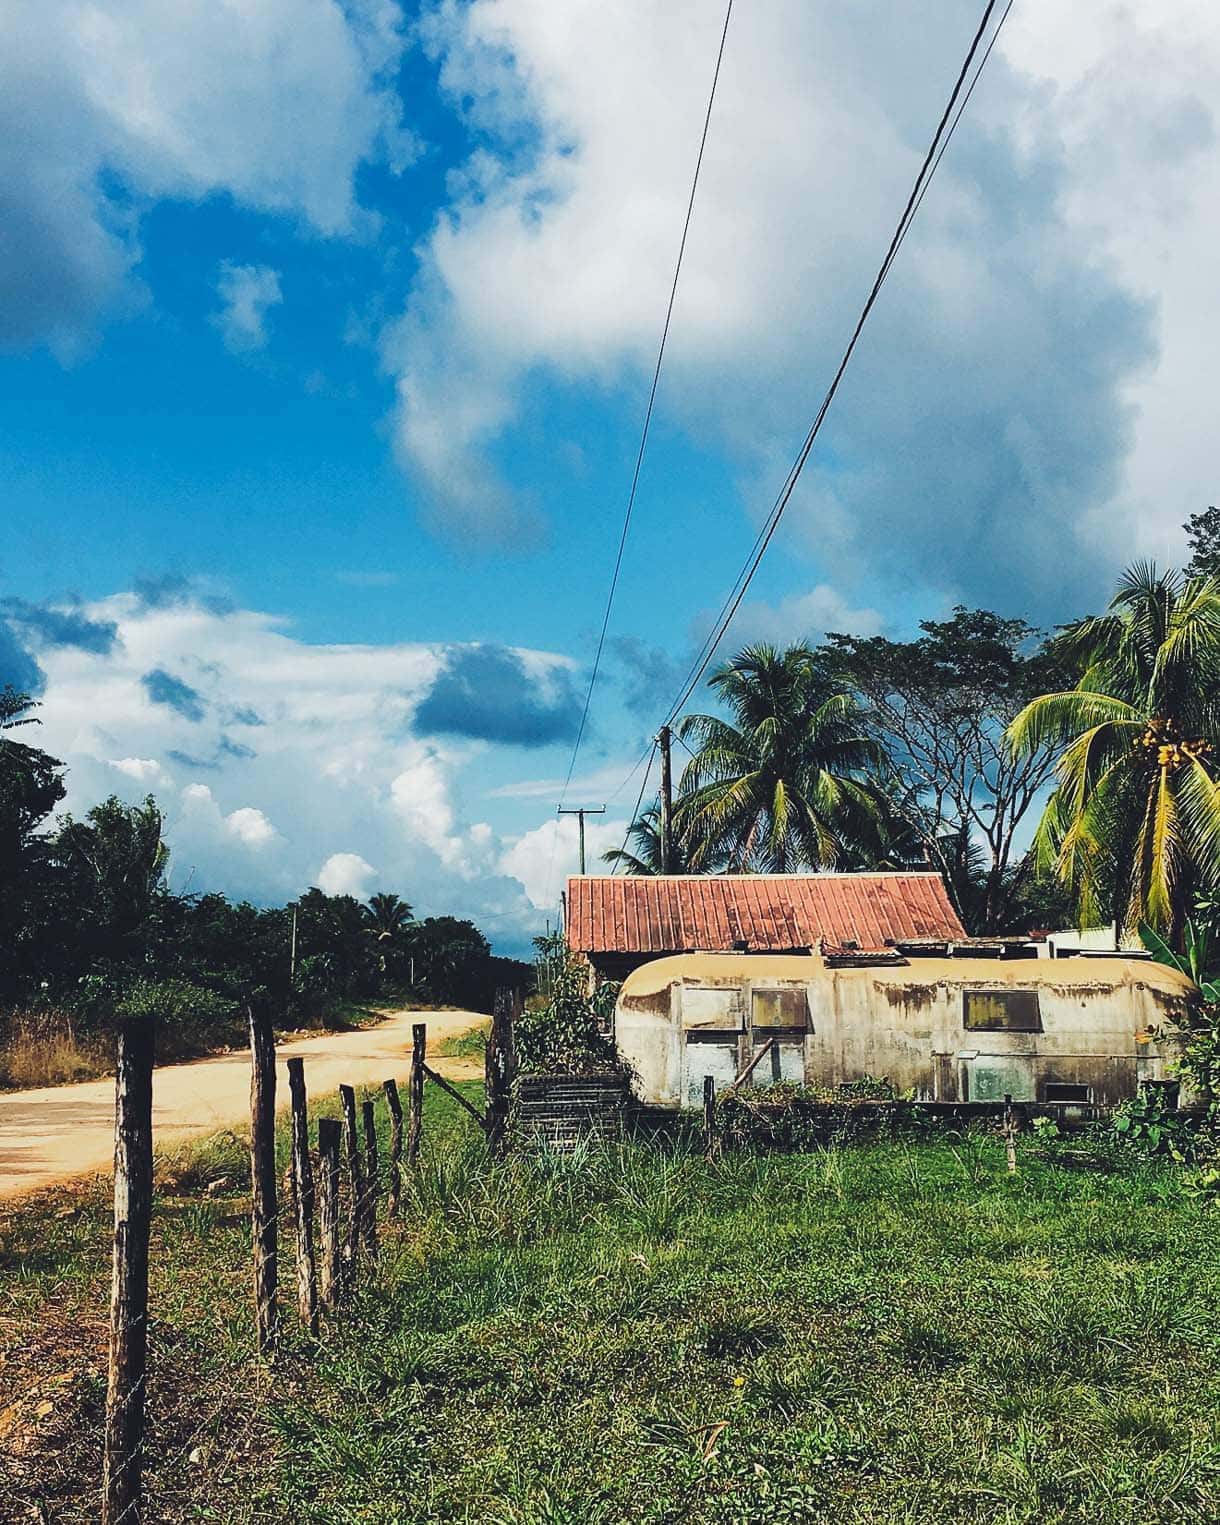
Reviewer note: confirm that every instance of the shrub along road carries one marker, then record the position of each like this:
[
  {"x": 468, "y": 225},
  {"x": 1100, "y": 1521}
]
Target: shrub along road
[{"x": 63, "y": 1133}]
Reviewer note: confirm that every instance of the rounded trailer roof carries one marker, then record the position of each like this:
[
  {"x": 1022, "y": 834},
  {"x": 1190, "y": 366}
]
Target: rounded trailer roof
[{"x": 1098, "y": 974}]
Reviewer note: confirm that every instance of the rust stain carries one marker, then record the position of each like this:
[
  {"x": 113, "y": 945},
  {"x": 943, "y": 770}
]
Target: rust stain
[
  {"x": 909, "y": 997},
  {"x": 769, "y": 912}
]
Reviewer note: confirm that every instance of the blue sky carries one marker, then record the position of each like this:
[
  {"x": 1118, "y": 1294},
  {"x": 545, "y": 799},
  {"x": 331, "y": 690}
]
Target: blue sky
[{"x": 325, "y": 333}]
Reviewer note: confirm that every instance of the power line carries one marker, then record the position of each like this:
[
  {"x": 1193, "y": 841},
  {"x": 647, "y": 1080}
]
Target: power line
[
  {"x": 652, "y": 397},
  {"x": 639, "y": 459},
  {"x": 635, "y": 814},
  {"x": 927, "y": 169}
]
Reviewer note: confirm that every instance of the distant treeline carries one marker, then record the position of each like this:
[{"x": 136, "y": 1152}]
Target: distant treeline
[{"x": 89, "y": 930}]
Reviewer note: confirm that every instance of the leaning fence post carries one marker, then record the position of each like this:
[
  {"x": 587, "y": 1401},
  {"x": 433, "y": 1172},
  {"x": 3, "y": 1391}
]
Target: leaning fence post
[
  {"x": 369, "y": 1215},
  {"x": 498, "y": 1070},
  {"x": 302, "y": 1191},
  {"x": 395, "y": 1106},
  {"x": 264, "y": 1210},
  {"x": 122, "y": 1466},
  {"x": 329, "y": 1139},
  {"x": 355, "y": 1166},
  {"x": 709, "y": 1118},
  {"x": 415, "y": 1096}
]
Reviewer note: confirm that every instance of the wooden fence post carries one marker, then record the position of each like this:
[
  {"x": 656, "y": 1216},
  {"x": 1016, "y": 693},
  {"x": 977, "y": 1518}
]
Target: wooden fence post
[
  {"x": 498, "y": 1071},
  {"x": 395, "y": 1106},
  {"x": 369, "y": 1114},
  {"x": 710, "y": 1142},
  {"x": 303, "y": 1198},
  {"x": 415, "y": 1096},
  {"x": 329, "y": 1139},
  {"x": 122, "y": 1467},
  {"x": 264, "y": 1209},
  {"x": 1010, "y": 1134},
  {"x": 355, "y": 1167}
]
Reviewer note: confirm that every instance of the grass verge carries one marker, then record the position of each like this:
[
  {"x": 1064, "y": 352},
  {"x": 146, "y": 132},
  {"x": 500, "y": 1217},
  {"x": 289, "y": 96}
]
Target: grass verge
[{"x": 890, "y": 1333}]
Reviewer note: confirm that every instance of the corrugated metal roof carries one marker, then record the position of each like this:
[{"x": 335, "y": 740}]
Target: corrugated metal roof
[{"x": 769, "y": 912}]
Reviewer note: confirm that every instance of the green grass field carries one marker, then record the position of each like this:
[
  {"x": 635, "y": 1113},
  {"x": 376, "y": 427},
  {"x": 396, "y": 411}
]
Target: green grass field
[{"x": 868, "y": 1334}]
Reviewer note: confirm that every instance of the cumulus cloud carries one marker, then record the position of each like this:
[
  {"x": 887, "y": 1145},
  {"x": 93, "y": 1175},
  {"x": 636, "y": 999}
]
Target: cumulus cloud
[
  {"x": 491, "y": 693},
  {"x": 103, "y": 107},
  {"x": 543, "y": 859},
  {"x": 989, "y": 407},
  {"x": 250, "y": 826},
  {"x": 246, "y": 294},
  {"x": 339, "y": 774},
  {"x": 346, "y": 874},
  {"x": 145, "y": 770}
]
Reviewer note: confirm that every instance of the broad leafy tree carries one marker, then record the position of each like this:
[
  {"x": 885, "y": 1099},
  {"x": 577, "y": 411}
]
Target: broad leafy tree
[
  {"x": 114, "y": 859},
  {"x": 1133, "y": 825},
  {"x": 1203, "y": 533},
  {"x": 940, "y": 706},
  {"x": 788, "y": 781}
]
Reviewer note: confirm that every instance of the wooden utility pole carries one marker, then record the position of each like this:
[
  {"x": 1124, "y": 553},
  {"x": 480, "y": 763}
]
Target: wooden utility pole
[
  {"x": 369, "y": 1114},
  {"x": 580, "y": 814},
  {"x": 395, "y": 1105},
  {"x": 355, "y": 1167},
  {"x": 122, "y": 1467},
  {"x": 329, "y": 1140},
  {"x": 264, "y": 1208},
  {"x": 667, "y": 802},
  {"x": 500, "y": 1070},
  {"x": 415, "y": 1095},
  {"x": 303, "y": 1199}
]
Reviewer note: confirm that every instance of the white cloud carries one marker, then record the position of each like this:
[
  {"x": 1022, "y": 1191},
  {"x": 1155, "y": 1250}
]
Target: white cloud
[
  {"x": 346, "y": 874},
  {"x": 246, "y": 293},
  {"x": 543, "y": 859},
  {"x": 250, "y": 826},
  {"x": 986, "y": 414},
  {"x": 145, "y": 770},
  {"x": 306, "y": 764},
  {"x": 275, "y": 103}
]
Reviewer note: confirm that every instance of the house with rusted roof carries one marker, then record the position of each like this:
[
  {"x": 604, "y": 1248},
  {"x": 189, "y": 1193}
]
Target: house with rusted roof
[{"x": 619, "y": 923}]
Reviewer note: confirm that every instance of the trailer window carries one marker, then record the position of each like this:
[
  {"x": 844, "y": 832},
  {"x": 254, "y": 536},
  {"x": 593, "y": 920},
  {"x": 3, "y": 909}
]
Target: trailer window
[
  {"x": 779, "y": 1008},
  {"x": 712, "y": 1006},
  {"x": 1001, "y": 1011},
  {"x": 1056, "y": 1090}
]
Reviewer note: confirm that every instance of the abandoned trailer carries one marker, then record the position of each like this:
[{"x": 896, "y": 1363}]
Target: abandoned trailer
[
  {"x": 827, "y": 978},
  {"x": 1073, "y": 1032}
]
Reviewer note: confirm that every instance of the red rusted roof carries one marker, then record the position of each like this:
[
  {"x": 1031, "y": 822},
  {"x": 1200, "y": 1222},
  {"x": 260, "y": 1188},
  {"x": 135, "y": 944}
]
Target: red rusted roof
[{"x": 769, "y": 912}]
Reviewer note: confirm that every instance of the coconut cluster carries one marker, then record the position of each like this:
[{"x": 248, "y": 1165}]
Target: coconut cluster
[{"x": 1172, "y": 750}]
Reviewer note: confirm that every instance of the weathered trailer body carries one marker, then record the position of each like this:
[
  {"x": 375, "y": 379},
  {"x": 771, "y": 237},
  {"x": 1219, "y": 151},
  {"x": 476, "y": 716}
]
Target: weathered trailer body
[{"x": 1075, "y": 1031}]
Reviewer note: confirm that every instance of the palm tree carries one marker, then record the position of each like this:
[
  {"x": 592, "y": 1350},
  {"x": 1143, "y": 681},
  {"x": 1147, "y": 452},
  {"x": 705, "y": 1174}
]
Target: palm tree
[
  {"x": 645, "y": 838},
  {"x": 386, "y": 918},
  {"x": 1133, "y": 827},
  {"x": 789, "y": 780}
]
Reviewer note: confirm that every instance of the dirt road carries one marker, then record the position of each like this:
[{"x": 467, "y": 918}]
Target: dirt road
[{"x": 64, "y": 1133}]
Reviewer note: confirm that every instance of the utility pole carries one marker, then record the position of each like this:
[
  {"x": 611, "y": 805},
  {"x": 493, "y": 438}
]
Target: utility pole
[
  {"x": 583, "y": 811},
  {"x": 292, "y": 955},
  {"x": 667, "y": 803}
]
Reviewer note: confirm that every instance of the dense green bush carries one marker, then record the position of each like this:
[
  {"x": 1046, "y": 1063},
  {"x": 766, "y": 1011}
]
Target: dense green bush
[{"x": 568, "y": 1034}]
